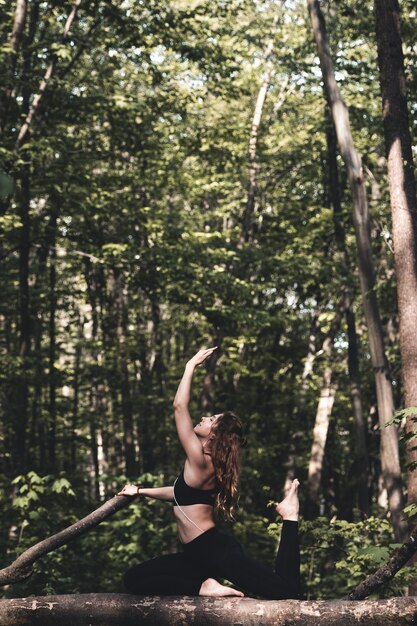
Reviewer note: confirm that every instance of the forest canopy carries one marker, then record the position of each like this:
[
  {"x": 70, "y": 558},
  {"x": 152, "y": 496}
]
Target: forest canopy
[{"x": 171, "y": 178}]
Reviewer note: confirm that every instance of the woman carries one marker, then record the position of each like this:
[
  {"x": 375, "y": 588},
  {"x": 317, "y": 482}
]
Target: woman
[{"x": 209, "y": 479}]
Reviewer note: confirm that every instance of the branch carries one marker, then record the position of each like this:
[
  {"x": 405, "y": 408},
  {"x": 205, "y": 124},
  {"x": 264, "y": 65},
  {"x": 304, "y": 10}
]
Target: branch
[
  {"x": 45, "y": 81},
  {"x": 398, "y": 559},
  {"x": 21, "y": 568},
  {"x": 80, "y": 50}
]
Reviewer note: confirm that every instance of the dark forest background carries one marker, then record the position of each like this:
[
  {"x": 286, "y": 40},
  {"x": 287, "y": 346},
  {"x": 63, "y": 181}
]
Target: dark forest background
[{"x": 152, "y": 204}]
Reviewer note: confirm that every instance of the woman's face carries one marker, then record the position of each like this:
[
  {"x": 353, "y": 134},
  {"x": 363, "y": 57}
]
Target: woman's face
[{"x": 204, "y": 426}]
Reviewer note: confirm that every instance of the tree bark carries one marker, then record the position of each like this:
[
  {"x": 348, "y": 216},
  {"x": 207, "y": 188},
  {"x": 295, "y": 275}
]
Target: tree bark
[
  {"x": 21, "y": 568},
  {"x": 96, "y": 609},
  {"x": 389, "y": 439},
  {"x": 402, "y": 186}
]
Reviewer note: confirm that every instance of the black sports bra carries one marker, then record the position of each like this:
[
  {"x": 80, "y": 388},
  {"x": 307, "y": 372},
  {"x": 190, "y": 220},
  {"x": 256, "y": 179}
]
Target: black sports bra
[{"x": 185, "y": 495}]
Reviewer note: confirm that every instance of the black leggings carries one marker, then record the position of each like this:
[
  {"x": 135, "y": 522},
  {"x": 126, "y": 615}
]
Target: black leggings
[{"x": 216, "y": 555}]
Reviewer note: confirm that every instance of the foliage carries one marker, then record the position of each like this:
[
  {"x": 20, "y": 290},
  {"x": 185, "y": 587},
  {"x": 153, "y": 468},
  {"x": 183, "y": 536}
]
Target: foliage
[
  {"x": 121, "y": 217},
  {"x": 337, "y": 555}
]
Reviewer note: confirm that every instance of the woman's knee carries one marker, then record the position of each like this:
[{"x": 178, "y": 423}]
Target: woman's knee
[{"x": 132, "y": 579}]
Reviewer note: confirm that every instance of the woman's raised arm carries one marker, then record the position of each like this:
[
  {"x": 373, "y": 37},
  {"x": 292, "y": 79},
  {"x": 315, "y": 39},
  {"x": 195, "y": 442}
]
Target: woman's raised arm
[{"x": 185, "y": 429}]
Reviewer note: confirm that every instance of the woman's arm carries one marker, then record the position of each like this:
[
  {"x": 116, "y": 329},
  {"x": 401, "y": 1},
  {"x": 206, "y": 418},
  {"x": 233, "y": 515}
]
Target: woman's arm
[
  {"x": 158, "y": 493},
  {"x": 185, "y": 429}
]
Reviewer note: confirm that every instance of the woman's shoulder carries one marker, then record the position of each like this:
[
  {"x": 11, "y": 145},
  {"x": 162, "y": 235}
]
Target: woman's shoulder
[{"x": 199, "y": 477}]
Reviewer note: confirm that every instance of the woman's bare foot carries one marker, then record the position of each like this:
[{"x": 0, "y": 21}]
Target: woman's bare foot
[
  {"x": 212, "y": 587},
  {"x": 288, "y": 508}
]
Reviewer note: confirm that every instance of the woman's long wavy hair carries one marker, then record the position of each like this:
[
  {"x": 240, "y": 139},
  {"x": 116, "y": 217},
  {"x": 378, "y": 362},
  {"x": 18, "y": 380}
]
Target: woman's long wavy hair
[{"x": 227, "y": 441}]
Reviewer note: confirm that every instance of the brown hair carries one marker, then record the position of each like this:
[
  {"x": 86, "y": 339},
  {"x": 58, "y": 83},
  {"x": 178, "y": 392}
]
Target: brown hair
[{"x": 226, "y": 444}]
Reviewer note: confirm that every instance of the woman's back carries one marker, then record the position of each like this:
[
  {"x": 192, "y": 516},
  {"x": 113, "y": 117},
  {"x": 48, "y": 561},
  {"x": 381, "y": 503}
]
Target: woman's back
[{"x": 194, "y": 494}]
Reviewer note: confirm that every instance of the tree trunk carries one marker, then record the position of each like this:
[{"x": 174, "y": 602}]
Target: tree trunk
[
  {"x": 361, "y": 451},
  {"x": 52, "y": 343},
  {"x": 15, "y": 38},
  {"x": 300, "y": 416},
  {"x": 124, "y": 379},
  {"x": 389, "y": 439},
  {"x": 76, "y": 398},
  {"x": 321, "y": 426},
  {"x": 402, "y": 188},
  {"x": 96, "y": 609},
  {"x": 253, "y": 141},
  {"x": 22, "y": 385}
]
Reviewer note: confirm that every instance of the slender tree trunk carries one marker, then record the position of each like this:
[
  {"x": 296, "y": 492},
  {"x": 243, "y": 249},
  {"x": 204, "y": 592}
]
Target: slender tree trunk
[
  {"x": 22, "y": 386},
  {"x": 124, "y": 379},
  {"x": 15, "y": 39},
  {"x": 52, "y": 343},
  {"x": 158, "y": 365},
  {"x": 389, "y": 439},
  {"x": 323, "y": 414},
  {"x": 75, "y": 401},
  {"x": 253, "y": 141},
  {"x": 300, "y": 417},
  {"x": 321, "y": 425},
  {"x": 93, "y": 443},
  {"x": 361, "y": 452},
  {"x": 147, "y": 451},
  {"x": 402, "y": 188},
  {"x": 37, "y": 412}
]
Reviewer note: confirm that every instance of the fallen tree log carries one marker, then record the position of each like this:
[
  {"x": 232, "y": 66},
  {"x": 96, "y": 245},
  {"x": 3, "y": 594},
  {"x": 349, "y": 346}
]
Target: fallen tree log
[
  {"x": 21, "y": 568},
  {"x": 127, "y": 610}
]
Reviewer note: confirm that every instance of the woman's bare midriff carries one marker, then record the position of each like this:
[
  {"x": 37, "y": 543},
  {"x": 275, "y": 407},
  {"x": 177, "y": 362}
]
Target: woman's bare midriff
[{"x": 201, "y": 514}]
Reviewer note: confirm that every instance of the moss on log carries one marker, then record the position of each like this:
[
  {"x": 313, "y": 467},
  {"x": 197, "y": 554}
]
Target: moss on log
[{"x": 126, "y": 610}]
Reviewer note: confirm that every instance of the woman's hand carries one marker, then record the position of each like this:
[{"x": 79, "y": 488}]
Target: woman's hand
[
  {"x": 129, "y": 490},
  {"x": 201, "y": 356}
]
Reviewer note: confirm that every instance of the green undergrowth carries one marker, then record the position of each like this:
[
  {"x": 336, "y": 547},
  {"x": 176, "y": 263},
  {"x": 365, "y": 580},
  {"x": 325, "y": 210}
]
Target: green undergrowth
[{"x": 335, "y": 554}]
